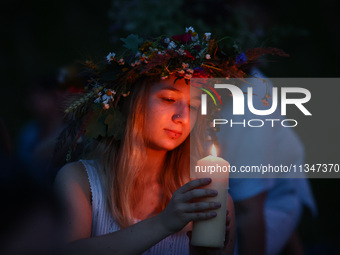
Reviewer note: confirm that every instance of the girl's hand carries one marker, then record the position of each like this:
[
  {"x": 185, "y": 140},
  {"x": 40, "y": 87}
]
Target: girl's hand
[
  {"x": 181, "y": 209},
  {"x": 198, "y": 250}
]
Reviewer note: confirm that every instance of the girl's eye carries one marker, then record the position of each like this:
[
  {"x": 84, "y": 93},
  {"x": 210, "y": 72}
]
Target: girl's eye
[
  {"x": 168, "y": 100},
  {"x": 192, "y": 108}
]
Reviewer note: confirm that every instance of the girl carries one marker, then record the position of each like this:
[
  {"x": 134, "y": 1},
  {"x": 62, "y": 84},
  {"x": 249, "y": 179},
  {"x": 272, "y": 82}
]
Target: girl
[
  {"x": 136, "y": 195},
  {"x": 145, "y": 178}
]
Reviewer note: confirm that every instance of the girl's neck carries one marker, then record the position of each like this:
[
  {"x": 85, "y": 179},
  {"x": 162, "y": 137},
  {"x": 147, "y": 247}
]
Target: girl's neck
[{"x": 154, "y": 164}]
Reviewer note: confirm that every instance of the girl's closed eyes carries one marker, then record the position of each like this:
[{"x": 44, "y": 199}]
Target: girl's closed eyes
[{"x": 170, "y": 100}]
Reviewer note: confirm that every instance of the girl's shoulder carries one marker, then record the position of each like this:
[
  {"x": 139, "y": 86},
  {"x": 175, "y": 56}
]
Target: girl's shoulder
[
  {"x": 73, "y": 191},
  {"x": 73, "y": 178}
]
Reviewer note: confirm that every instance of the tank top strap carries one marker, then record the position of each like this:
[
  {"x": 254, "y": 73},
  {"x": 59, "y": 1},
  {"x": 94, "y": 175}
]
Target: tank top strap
[
  {"x": 102, "y": 220},
  {"x": 92, "y": 168}
]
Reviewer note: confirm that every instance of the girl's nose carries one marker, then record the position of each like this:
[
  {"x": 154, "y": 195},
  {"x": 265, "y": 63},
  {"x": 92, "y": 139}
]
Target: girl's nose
[{"x": 182, "y": 116}]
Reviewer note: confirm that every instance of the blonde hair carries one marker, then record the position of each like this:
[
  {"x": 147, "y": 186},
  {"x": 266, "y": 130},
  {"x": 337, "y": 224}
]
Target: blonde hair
[{"x": 123, "y": 160}]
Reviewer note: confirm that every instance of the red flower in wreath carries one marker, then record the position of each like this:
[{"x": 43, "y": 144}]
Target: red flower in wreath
[
  {"x": 185, "y": 38},
  {"x": 188, "y": 55}
]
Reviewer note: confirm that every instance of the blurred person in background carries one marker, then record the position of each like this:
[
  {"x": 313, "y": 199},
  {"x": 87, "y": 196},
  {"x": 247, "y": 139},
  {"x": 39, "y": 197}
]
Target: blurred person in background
[
  {"x": 38, "y": 137},
  {"x": 268, "y": 210}
]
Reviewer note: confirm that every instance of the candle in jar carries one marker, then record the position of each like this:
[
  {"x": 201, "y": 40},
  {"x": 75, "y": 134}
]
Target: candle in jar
[{"x": 211, "y": 232}]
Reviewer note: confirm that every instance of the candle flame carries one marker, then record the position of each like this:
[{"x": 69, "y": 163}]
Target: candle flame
[{"x": 213, "y": 151}]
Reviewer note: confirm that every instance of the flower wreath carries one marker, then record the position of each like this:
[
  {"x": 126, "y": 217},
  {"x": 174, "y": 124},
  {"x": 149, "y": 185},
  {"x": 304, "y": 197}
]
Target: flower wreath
[{"x": 95, "y": 111}]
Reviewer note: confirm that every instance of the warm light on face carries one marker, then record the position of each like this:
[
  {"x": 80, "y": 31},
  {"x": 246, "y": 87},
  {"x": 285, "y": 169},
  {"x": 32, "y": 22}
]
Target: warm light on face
[
  {"x": 172, "y": 111},
  {"x": 213, "y": 151}
]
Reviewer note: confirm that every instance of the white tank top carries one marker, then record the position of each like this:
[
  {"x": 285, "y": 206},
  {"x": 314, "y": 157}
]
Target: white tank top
[{"x": 104, "y": 223}]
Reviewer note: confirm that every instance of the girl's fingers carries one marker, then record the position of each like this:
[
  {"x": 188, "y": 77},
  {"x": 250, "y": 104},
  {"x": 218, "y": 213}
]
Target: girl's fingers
[
  {"x": 200, "y": 206},
  {"x": 194, "y": 184},
  {"x": 201, "y": 215},
  {"x": 198, "y": 193}
]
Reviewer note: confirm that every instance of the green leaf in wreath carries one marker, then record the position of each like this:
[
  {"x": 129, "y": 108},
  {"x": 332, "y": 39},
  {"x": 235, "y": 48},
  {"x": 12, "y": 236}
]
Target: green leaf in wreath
[
  {"x": 115, "y": 124},
  {"x": 227, "y": 46},
  {"x": 132, "y": 42},
  {"x": 96, "y": 125}
]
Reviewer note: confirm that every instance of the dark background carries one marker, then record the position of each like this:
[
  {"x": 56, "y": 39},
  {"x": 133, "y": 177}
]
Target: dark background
[{"x": 39, "y": 37}]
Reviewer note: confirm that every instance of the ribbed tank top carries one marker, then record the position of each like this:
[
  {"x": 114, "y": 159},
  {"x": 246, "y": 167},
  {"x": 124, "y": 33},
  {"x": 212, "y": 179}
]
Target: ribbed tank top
[{"x": 104, "y": 223}]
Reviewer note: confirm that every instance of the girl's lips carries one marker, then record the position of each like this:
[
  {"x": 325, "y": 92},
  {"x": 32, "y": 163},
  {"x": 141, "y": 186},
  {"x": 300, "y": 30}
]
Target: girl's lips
[{"x": 172, "y": 133}]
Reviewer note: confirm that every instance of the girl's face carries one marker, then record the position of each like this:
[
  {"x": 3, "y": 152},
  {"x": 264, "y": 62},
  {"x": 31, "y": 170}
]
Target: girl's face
[{"x": 171, "y": 113}]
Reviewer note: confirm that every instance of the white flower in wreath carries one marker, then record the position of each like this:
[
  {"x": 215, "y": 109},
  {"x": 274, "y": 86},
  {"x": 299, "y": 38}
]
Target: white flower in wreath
[
  {"x": 181, "y": 52},
  {"x": 172, "y": 45},
  {"x": 187, "y": 76},
  {"x": 106, "y": 98},
  {"x": 110, "y": 92},
  {"x": 110, "y": 57},
  {"x": 189, "y": 30},
  {"x": 195, "y": 38},
  {"x": 207, "y": 36}
]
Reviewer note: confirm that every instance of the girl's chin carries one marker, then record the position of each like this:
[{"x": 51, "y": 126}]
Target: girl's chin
[{"x": 166, "y": 146}]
